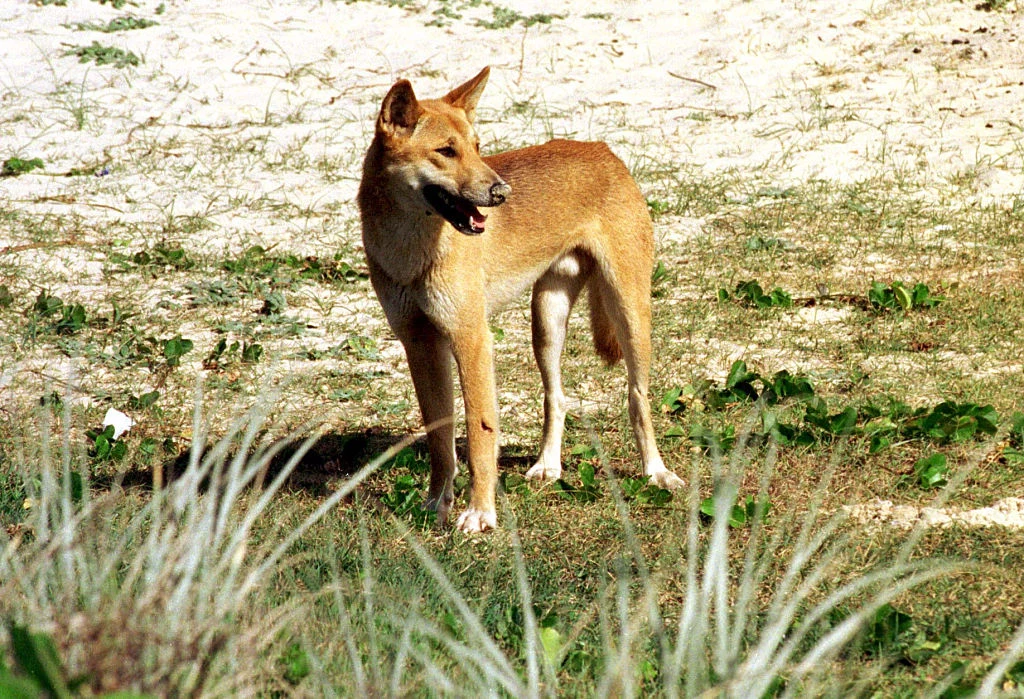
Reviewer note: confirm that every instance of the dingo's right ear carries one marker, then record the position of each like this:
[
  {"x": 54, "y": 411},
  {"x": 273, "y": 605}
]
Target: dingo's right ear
[
  {"x": 466, "y": 96},
  {"x": 400, "y": 110}
]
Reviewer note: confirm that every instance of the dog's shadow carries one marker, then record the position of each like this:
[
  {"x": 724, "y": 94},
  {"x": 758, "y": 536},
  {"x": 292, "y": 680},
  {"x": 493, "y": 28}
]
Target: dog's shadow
[{"x": 332, "y": 457}]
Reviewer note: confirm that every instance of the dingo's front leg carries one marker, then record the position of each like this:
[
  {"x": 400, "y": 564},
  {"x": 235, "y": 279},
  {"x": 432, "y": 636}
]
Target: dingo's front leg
[
  {"x": 430, "y": 356},
  {"x": 471, "y": 344}
]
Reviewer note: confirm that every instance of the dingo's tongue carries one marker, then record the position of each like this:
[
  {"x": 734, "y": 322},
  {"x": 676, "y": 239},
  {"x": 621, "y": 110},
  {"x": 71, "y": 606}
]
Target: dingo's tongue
[{"x": 476, "y": 219}]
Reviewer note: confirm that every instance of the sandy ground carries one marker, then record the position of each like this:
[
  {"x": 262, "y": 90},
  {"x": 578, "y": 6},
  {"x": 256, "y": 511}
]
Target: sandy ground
[
  {"x": 806, "y": 89},
  {"x": 255, "y": 115}
]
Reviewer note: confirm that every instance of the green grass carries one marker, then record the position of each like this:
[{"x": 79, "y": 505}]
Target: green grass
[{"x": 607, "y": 568}]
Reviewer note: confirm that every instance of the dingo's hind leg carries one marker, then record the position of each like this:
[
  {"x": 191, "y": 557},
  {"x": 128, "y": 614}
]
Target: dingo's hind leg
[
  {"x": 629, "y": 310},
  {"x": 553, "y": 297}
]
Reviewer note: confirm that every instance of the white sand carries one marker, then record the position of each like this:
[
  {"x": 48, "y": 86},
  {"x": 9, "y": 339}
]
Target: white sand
[{"x": 826, "y": 90}]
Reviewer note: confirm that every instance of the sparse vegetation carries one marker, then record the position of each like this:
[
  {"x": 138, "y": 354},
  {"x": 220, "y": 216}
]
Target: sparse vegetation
[
  {"x": 12, "y": 167},
  {"x": 104, "y": 55},
  {"x": 118, "y": 24}
]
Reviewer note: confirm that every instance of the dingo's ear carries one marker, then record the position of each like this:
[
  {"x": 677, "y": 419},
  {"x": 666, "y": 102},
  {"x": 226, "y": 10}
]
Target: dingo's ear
[
  {"x": 400, "y": 110},
  {"x": 466, "y": 96}
]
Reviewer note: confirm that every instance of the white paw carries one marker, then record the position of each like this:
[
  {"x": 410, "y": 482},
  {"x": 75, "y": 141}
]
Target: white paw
[
  {"x": 472, "y": 521},
  {"x": 542, "y": 472},
  {"x": 667, "y": 480}
]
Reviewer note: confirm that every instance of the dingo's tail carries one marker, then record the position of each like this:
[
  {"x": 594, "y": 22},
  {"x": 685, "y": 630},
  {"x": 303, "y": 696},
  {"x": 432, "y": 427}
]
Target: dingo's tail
[{"x": 601, "y": 325}]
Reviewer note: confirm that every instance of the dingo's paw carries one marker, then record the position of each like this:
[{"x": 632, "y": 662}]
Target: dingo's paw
[
  {"x": 473, "y": 521},
  {"x": 441, "y": 504},
  {"x": 542, "y": 472},
  {"x": 667, "y": 480}
]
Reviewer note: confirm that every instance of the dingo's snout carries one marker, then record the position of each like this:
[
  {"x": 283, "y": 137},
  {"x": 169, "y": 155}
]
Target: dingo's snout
[{"x": 499, "y": 192}]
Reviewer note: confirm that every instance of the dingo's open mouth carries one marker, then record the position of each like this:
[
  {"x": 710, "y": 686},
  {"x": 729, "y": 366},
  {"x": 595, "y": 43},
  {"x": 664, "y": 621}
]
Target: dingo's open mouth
[{"x": 459, "y": 212}]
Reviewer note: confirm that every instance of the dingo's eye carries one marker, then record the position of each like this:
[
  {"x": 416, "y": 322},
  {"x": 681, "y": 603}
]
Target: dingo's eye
[{"x": 447, "y": 152}]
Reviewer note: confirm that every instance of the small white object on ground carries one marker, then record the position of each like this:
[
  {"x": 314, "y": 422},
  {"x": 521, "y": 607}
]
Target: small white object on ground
[{"x": 121, "y": 422}]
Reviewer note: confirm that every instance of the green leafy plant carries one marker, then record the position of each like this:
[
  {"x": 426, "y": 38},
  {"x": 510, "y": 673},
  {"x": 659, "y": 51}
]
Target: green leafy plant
[
  {"x": 757, "y": 242},
  {"x": 744, "y": 512},
  {"x": 750, "y": 293},
  {"x": 888, "y": 630},
  {"x": 362, "y": 347},
  {"x": 49, "y": 314},
  {"x": 739, "y": 386},
  {"x": 589, "y": 488},
  {"x": 42, "y": 671},
  {"x": 104, "y": 447},
  {"x": 12, "y": 167},
  {"x": 274, "y": 304},
  {"x": 898, "y": 296},
  {"x": 403, "y": 496},
  {"x": 224, "y": 353},
  {"x": 176, "y": 348},
  {"x": 713, "y": 441},
  {"x": 285, "y": 270},
  {"x": 953, "y": 422},
  {"x": 411, "y": 460},
  {"x": 144, "y": 401},
  {"x": 992, "y": 5},
  {"x": 213, "y": 292},
  {"x": 252, "y": 353},
  {"x": 673, "y": 399},
  {"x": 643, "y": 492},
  {"x": 503, "y": 18},
  {"x": 118, "y": 24},
  {"x": 116, "y": 4},
  {"x": 931, "y": 471},
  {"x": 46, "y": 306},
  {"x": 784, "y": 433},
  {"x": 657, "y": 207},
  {"x": 1014, "y": 449},
  {"x": 104, "y": 55},
  {"x": 405, "y": 500},
  {"x": 72, "y": 319},
  {"x": 158, "y": 256},
  {"x": 661, "y": 280},
  {"x": 783, "y": 385},
  {"x": 831, "y": 424},
  {"x": 295, "y": 664}
]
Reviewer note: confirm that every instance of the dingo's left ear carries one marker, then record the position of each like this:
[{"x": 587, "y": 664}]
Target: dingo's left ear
[
  {"x": 400, "y": 110},
  {"x": 466, "y": 96}
]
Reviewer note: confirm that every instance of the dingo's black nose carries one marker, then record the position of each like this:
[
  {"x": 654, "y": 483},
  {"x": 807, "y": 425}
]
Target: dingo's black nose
[{"x": 499, "y": 192}]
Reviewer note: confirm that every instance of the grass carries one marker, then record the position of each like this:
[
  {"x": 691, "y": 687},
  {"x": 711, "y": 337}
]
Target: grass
[
  {"x": 876, "y": 320},
  {"x": 634, "y": 603}
]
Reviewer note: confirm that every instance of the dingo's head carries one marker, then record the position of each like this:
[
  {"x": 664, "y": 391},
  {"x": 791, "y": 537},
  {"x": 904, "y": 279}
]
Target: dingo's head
[{"x": 431, "y": 154}]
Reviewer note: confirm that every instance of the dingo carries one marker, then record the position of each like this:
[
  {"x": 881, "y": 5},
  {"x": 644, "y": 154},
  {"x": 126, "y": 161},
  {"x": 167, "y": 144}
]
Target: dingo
[{"x": 567, "y": 216}]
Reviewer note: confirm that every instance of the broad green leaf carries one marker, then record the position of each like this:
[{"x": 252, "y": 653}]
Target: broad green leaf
[
  {"x": 931, "y": 471},
  {"x": 903, "y": 297},
  {"x": 552, "y": 641},
  {"x": 37, "y": 655}
]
